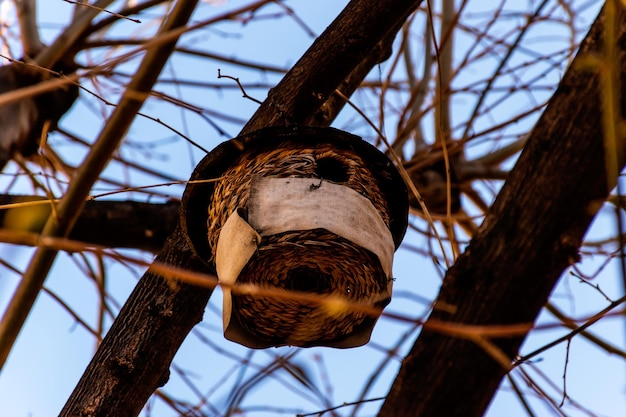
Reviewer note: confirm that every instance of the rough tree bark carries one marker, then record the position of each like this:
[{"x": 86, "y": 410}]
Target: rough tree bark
[
  {"x": 135, "y": 355},
  {"x": 529, "y": 237}
]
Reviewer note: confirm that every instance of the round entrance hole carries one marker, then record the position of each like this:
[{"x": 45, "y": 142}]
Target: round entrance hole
[{"x": 332, "y": 169}]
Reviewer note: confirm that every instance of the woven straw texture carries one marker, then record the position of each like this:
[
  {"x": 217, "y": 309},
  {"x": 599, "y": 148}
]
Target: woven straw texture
[{"x": 313, "y": 261}]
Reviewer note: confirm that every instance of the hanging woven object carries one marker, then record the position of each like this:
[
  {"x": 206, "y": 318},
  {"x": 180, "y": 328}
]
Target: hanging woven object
[{"x": 298, "y": 210}]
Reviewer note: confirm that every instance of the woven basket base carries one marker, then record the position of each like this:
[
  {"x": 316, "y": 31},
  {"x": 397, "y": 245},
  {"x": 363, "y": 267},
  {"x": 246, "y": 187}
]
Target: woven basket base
[{"x": 316, "y": 262}]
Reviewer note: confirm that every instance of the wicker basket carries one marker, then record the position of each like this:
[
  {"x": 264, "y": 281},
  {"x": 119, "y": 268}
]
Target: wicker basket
[{"x": 313, "y": 260}]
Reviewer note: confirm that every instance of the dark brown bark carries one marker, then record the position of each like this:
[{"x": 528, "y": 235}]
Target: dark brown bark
[
  {"x": 329, "y": 110},
  {"x": 133, "y": 359},
  {"x": 126, "y": 224},
  {"x": 118, "y": 224},
  {"x": 530, "y": 236}
]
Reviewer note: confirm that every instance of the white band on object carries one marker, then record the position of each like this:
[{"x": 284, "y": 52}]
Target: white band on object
[{"x": 279, "y": 205}]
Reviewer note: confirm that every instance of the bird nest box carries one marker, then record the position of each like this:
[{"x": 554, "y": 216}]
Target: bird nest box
[{"x": 309, "y": 218}]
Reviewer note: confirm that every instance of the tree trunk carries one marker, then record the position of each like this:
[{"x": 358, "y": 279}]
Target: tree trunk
[{"x": 529, "y": 237}]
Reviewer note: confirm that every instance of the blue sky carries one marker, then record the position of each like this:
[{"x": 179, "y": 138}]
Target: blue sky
[{"x": 53, "y": 349}]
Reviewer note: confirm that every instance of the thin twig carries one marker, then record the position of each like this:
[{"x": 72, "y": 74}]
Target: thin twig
[
  {"x": 503, "y": 62},
  {"x": 520, "y": 395},
  {"x": 243, "y": 91},
  {"x": 594, "y": 286},
  {"x": 567, "y": 350},
  {"x": 571, "y": 334},
  {"x": 347, "y": 404},
  {"x": 572, "y": 325},
  {"x": 100, "y": 9}
]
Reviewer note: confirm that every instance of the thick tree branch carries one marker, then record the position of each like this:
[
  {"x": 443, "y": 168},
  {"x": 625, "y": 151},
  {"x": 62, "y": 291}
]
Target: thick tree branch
[
  {"x": 530, "y": 236},
  {"x": 132, "y": 362},
  {"x": 329, "y": 61},
  {"x": 117, "y": 224},
  {"x": 331, "y": 108},
  {"x": 133, "y": 359}
]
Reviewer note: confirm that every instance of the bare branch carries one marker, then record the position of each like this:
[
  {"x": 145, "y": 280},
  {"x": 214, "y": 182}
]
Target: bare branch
[
  {"x": 67, "y": 40},
  {"x": 236, "y": 80},
  {"x": 100, "y": 9}
]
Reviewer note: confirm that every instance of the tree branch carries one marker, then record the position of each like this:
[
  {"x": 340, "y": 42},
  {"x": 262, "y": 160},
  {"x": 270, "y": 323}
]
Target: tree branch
[
  {"x": 117, "y": 224},
  {"x": 63, "y": 45},
  {"x": 329, "y": 61},
  {"x": 134, "y": 357},
  {"x": 530, "y": 236},
  {"x": 331, "y": 108}
]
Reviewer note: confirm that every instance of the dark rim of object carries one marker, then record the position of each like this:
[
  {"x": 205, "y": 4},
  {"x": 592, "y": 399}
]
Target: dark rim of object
[{"x": 197, "y": 196}]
